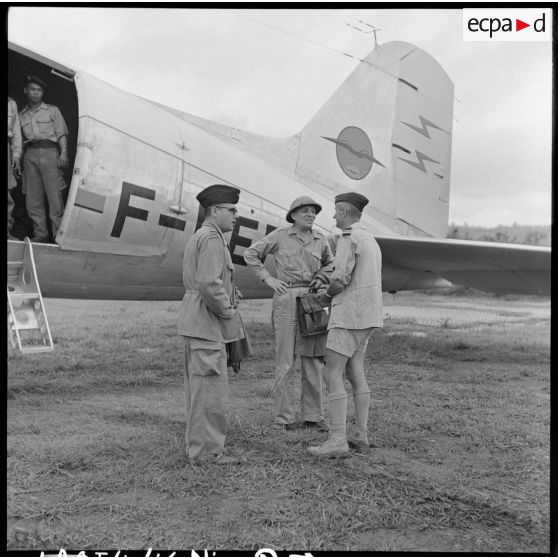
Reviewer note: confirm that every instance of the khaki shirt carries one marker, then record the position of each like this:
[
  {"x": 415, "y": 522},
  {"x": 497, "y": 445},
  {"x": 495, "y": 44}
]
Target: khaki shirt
[
  {"x": 358, "y": 266},
  {"x": 14, "y": 130},
  {"x": 209, "y": 307},
  {"x": 46, "y": 123},
  {"x": 296, "y": 259}
]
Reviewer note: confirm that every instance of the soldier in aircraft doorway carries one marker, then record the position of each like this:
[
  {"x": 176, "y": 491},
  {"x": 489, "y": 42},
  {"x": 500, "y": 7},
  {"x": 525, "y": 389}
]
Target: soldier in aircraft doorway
[{"x": 45, "y": 137}]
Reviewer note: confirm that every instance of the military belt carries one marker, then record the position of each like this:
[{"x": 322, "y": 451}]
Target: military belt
[
  {"x": 42, "y": 144},
  {"x": 295, "y": 284}
]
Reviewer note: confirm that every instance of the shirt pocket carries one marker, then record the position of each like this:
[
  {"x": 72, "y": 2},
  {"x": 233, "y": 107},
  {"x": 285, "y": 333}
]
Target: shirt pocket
[
  {"x": 314, "y": 259},
  {"x": 289, "y": 260},
  {"x": 27, "y": 129},
  {"x": 44, "y": 123}
]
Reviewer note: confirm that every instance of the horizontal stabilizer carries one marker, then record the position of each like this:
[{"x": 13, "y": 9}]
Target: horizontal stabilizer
[{"x": 487, "y": 266}]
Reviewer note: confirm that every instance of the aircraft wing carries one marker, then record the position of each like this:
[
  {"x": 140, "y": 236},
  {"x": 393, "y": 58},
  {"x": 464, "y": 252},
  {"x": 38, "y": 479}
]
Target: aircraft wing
[{"x": 487, "y": 266}]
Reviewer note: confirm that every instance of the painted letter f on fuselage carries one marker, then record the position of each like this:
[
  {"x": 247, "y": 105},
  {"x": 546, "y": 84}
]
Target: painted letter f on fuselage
[{"x": 126, "y": 210}]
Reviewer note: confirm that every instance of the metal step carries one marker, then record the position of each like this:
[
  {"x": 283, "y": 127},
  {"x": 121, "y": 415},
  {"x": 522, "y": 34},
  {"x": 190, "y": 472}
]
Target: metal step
[
  {"x": 25, "y": 295},
  {"x": 27, "y": 322},
  {"x": 28, "y": 349}
]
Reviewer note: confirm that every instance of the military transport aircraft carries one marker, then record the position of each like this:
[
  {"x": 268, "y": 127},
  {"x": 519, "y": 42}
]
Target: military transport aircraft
[{"x": 386, "y": 133}]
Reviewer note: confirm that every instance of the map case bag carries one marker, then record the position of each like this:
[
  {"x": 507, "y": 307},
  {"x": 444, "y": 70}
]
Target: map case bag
[{"x": 312, "y": 316}]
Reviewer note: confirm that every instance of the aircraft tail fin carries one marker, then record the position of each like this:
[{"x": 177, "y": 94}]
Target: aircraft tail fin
[{"x": 386, "y": 133}]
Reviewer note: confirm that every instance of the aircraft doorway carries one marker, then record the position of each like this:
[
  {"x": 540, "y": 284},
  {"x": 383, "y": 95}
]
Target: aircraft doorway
[{"x": 61, "y": 92}]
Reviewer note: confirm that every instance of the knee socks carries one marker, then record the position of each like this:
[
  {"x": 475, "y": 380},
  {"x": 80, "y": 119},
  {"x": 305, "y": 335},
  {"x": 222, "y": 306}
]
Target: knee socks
[
  {"x": 362, "y": 403},
  {"x": 337, "y": 407}
]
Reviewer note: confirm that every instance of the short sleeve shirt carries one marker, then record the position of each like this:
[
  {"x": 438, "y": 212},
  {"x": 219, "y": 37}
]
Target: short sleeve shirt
[
  {"x": 14, "y": 131},
  {"x": 45, "y": 123},
  {"x": 296, "y": 259}
]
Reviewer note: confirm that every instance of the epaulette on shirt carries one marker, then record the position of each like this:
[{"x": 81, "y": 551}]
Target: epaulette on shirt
[
  {"x": 284, "y": 228},
  {"x": 208, "y": 231}
]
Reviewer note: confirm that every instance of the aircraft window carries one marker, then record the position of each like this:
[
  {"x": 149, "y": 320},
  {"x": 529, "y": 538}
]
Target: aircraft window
[{"x": 61, "y": 92}]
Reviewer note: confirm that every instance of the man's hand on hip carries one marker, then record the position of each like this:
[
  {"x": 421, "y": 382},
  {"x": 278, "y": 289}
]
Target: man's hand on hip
[{"x": 280, "y": 287}]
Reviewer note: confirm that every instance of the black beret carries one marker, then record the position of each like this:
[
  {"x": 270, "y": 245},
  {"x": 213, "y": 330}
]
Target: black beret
[
  {"x": 218, "y": 193},
  {"x": 358, "y": 200},
  {"x": 34, "y": 79}
]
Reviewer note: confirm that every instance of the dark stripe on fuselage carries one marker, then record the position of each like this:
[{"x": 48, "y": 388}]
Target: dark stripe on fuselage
[
  {"x": 90, "y": 200},
  {"x": 172, "y": 222}
]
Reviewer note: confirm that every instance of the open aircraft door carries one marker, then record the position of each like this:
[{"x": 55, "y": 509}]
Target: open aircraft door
[{"x": 128, "y": 174}]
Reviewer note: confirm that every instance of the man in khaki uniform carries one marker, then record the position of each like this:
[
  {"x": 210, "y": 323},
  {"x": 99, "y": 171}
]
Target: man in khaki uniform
[
  {"x": 209, "y": 319},
  {"x": 46, "y": 156},
  {"x": 14, "y": 157},
  {"x": 304, "y": 261},
  {"x": 355, "y": 293}
]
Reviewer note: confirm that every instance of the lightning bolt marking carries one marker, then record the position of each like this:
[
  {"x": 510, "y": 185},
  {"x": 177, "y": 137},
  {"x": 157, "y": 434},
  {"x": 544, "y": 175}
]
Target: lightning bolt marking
[
  {"x": 423, "y": 131},
  {"x": 421, "y": 157},
  {"x": 349, "y": 147}
]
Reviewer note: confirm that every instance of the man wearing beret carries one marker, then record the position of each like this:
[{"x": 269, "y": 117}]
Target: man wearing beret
[
  {"x": 303, "y": 261},
  {"x": 355, "y": 294},
  {"x": 45, "y": 136},
  {"x": 208, "y": 320}
]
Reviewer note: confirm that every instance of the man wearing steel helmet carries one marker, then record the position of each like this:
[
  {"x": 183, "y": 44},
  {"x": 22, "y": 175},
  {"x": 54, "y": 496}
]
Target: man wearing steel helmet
[
  {"x": 303, "y": 261},
  {"x": 355, "y": 294}
]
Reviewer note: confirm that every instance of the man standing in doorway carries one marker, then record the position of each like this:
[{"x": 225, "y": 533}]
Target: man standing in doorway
[
  {"x": 208, "y": 320},
  {"x": 45, "y": 136},
  {"x": 355, "y": 294}
]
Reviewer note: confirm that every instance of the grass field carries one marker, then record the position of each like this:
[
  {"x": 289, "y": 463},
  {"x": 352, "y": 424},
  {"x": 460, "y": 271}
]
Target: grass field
[{"x": 459, "y": 419}]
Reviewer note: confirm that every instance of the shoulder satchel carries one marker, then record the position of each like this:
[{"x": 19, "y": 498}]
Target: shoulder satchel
[{"x": 312, "y": 316}]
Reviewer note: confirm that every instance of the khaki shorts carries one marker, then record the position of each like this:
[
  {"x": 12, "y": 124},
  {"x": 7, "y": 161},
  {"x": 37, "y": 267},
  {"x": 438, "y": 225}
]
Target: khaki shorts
[{"x": 348, "y": 342}]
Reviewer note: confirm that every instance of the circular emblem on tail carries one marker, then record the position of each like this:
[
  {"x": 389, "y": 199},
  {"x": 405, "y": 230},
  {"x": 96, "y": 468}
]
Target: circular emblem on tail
[{"x": 354, "y": 152}]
